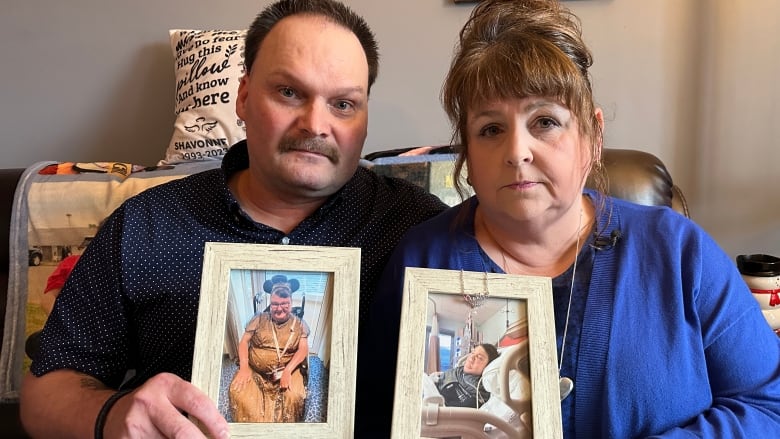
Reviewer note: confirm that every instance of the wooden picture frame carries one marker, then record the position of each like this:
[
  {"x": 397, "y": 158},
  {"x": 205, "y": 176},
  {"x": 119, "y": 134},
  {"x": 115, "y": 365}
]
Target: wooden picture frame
[
  {"x": 529, "y": 298},
  {"x": 230, "y": 273}
]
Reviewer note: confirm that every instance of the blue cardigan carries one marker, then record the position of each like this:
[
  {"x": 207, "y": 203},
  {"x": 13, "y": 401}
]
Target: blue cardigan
[{"x": 672, "y": 341}]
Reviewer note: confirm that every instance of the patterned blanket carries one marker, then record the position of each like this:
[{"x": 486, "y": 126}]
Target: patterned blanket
[{"x": 56, "y": 210}]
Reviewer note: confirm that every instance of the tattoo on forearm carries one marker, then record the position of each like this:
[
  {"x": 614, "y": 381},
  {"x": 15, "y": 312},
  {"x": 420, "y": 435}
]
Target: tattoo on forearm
[{"x": 88, "y": 382}]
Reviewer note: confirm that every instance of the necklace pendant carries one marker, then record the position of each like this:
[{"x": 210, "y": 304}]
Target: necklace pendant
[{"x": 566, "y": 385}]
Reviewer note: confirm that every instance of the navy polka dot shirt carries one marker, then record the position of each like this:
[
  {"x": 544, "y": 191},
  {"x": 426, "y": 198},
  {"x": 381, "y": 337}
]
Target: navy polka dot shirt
[{"x": 132, "y": 300}]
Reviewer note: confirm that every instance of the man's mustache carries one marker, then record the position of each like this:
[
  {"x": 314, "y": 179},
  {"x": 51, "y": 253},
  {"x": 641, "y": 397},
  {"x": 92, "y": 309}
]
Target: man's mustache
[{"x": 315, "y": 145}]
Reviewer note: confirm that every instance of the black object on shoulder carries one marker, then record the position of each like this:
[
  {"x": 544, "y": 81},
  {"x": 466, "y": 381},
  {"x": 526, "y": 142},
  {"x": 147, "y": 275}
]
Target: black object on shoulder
[{"x": 607, "y": 242}]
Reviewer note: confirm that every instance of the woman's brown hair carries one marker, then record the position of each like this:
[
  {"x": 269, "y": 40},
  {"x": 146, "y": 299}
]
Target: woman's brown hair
[{"x": 518, "y": 48}]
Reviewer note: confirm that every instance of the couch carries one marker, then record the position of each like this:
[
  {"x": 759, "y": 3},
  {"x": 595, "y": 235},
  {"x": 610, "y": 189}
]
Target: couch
[
  {"x": 633, "y": 175},
  {"x": 9, "y": 411}
]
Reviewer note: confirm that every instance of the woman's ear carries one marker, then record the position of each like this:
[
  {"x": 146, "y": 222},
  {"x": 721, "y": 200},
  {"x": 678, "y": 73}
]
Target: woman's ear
[
  {"x": 600, "y": 117},
  {"x": 599, "y": 114}
]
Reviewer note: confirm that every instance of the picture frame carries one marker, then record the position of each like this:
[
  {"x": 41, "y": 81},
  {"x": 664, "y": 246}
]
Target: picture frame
[
  {"x": 228, "y": 269},
  {"x": 489, "y": 296}
]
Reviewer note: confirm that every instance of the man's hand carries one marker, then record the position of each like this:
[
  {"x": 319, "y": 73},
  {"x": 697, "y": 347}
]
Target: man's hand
[{"x": 156, "y": 410}]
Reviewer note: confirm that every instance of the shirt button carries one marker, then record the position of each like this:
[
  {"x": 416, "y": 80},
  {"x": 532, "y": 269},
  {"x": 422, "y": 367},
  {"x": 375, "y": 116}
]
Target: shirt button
[{"x": 286, "y": 240}]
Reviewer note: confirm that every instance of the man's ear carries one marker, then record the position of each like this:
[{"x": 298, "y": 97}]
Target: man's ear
[{"x": 243, "y": 93}]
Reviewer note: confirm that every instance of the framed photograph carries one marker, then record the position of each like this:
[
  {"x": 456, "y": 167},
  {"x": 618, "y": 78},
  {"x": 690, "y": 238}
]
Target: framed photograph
[
  {"x": 449, "y": 382},
  {"x": 269, "y": 319}
]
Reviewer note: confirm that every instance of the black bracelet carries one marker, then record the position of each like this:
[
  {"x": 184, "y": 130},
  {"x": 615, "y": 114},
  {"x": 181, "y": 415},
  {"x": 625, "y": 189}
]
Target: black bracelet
[{"x": 100, "y": 422}]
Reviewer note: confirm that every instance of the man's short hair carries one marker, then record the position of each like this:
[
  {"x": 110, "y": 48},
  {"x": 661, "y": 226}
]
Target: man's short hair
[{"x": 331, "y": 10}]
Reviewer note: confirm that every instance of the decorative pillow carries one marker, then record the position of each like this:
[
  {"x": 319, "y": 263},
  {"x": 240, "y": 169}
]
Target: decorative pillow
[{"x": 208, "y": 68}]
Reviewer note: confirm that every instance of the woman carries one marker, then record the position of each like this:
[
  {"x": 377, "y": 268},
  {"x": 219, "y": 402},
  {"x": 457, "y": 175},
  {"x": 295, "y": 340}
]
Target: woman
[
  {"x": 657, "y": 334},
  {"x": 269, "y": 384},
  {"x": 461, "y": 386}
]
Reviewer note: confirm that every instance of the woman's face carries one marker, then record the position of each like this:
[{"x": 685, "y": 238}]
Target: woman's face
[
  {"x": 526, "y": 159},
  {"x": 477, "y": 361},
  {"x": 280, "y": 308}
]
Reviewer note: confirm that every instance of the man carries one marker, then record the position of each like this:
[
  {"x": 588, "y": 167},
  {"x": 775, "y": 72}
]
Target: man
[
  {"x": 131, "y": 302},
  {"x": 268, "y": 386}
]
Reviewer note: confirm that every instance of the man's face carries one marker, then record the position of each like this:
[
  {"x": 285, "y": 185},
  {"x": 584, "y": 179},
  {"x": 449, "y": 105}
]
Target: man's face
[
  {"x": 305, "y": 104},
  {"x": 280, "y": 308}
]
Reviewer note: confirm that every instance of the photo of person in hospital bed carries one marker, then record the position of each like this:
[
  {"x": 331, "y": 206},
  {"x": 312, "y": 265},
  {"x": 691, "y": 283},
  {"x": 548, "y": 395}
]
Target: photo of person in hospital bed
[
  {"x": 462, "y": 386},
  {"x": 469, "y": 396}
]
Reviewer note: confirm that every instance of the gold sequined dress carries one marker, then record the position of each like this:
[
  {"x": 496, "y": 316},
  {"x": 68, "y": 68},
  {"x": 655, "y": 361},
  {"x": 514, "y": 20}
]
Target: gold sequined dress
[{"x": 264, "y": 401}]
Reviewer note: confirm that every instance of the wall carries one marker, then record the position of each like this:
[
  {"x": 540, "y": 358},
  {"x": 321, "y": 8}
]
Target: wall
[
  {"x": 692, "y": 81},
  {"x": 738, "y": 127}
]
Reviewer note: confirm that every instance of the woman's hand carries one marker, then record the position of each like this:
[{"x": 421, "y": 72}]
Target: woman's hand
[
  {"x": 286, "y": 380},
  {"x": 242, "y": 378}
]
